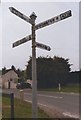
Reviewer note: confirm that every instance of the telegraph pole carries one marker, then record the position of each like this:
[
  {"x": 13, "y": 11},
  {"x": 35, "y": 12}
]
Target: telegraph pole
[{"x": 34, "y": 73}]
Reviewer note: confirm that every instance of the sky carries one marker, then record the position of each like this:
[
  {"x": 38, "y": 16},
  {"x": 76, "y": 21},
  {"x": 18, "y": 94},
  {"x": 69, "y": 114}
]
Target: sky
[{"x": 62, "y": 37}]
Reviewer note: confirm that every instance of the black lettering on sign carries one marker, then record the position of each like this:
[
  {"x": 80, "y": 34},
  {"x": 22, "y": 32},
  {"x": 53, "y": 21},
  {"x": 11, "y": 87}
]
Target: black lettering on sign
[
  {"x": 65, "y": 15},
  {"x": 16, "y": 12}
]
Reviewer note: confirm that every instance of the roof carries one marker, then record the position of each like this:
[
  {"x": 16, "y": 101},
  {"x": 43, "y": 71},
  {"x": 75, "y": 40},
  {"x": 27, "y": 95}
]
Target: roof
[{"x": 8, "y": 71}]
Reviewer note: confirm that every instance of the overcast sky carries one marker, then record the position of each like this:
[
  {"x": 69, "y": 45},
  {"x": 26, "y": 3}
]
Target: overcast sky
[{"x": 62, "y": 37}]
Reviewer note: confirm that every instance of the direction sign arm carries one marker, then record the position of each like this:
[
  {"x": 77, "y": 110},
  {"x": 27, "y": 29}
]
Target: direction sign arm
[
  {"x": 23, "y": 40},
  {"x": 19, "y": 14},
  {"x": 43, "y": 46},
  {"x": 54, "y": 20}
]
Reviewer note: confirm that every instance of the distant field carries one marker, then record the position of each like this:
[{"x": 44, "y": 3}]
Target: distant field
[
  {"x": 22, "y": 109},
  {"x": 69, "y": 88}
]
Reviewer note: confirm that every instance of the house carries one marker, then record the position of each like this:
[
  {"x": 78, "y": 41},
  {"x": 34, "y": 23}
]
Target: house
[
  {"x": 9, "y": 79},
  {"x": 0, "y": 82}
]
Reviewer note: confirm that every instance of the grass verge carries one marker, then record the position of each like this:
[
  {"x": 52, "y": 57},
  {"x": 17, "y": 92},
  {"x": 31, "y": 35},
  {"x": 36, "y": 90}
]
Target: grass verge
[{"x": 21, "y": 109}]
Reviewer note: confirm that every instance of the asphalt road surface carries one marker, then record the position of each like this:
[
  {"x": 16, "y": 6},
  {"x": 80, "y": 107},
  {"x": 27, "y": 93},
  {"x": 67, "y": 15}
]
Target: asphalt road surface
[{"x": 66, "y": 103}]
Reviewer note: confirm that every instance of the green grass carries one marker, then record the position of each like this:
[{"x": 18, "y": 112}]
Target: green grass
[
  {"x": 69, "y": 88},
  {"x": 21, "y": 109},
  {"x": 0, "y": 107}
]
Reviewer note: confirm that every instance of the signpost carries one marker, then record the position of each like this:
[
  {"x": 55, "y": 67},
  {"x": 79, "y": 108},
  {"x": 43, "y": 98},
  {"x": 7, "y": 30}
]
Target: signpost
[
  {"x": 35, "y": 44},
  {"x": 59, "y": 87}
]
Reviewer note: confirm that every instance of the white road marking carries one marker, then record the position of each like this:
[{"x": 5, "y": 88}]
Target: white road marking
[
  {"x": 42, "y": 105},
  {"x": 37, "y": 103},
  {"x": 28, "y": 101},
  {"x": 69, "y": 93},
  {"x": 49, "y": 96},
  {"x": 70, "y": 115},
  {"x": 46, "y": 96}
]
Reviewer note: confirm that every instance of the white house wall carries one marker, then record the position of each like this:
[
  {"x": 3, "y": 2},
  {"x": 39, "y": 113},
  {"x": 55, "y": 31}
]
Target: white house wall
[
  {"x": 10, "y": 75},
  {"x": 0, "y": 81}
]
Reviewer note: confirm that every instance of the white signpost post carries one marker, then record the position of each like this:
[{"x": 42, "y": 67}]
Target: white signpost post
[{"x": 35, "y": 44}]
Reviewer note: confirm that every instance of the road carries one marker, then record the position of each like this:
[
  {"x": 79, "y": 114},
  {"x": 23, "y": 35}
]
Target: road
[{"x": 66, "y": 103}]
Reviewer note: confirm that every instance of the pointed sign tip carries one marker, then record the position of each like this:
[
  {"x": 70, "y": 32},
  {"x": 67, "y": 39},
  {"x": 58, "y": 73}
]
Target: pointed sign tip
[
  {"x": 12, "y": 45},
  {"x": 10, "y": 8}
]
